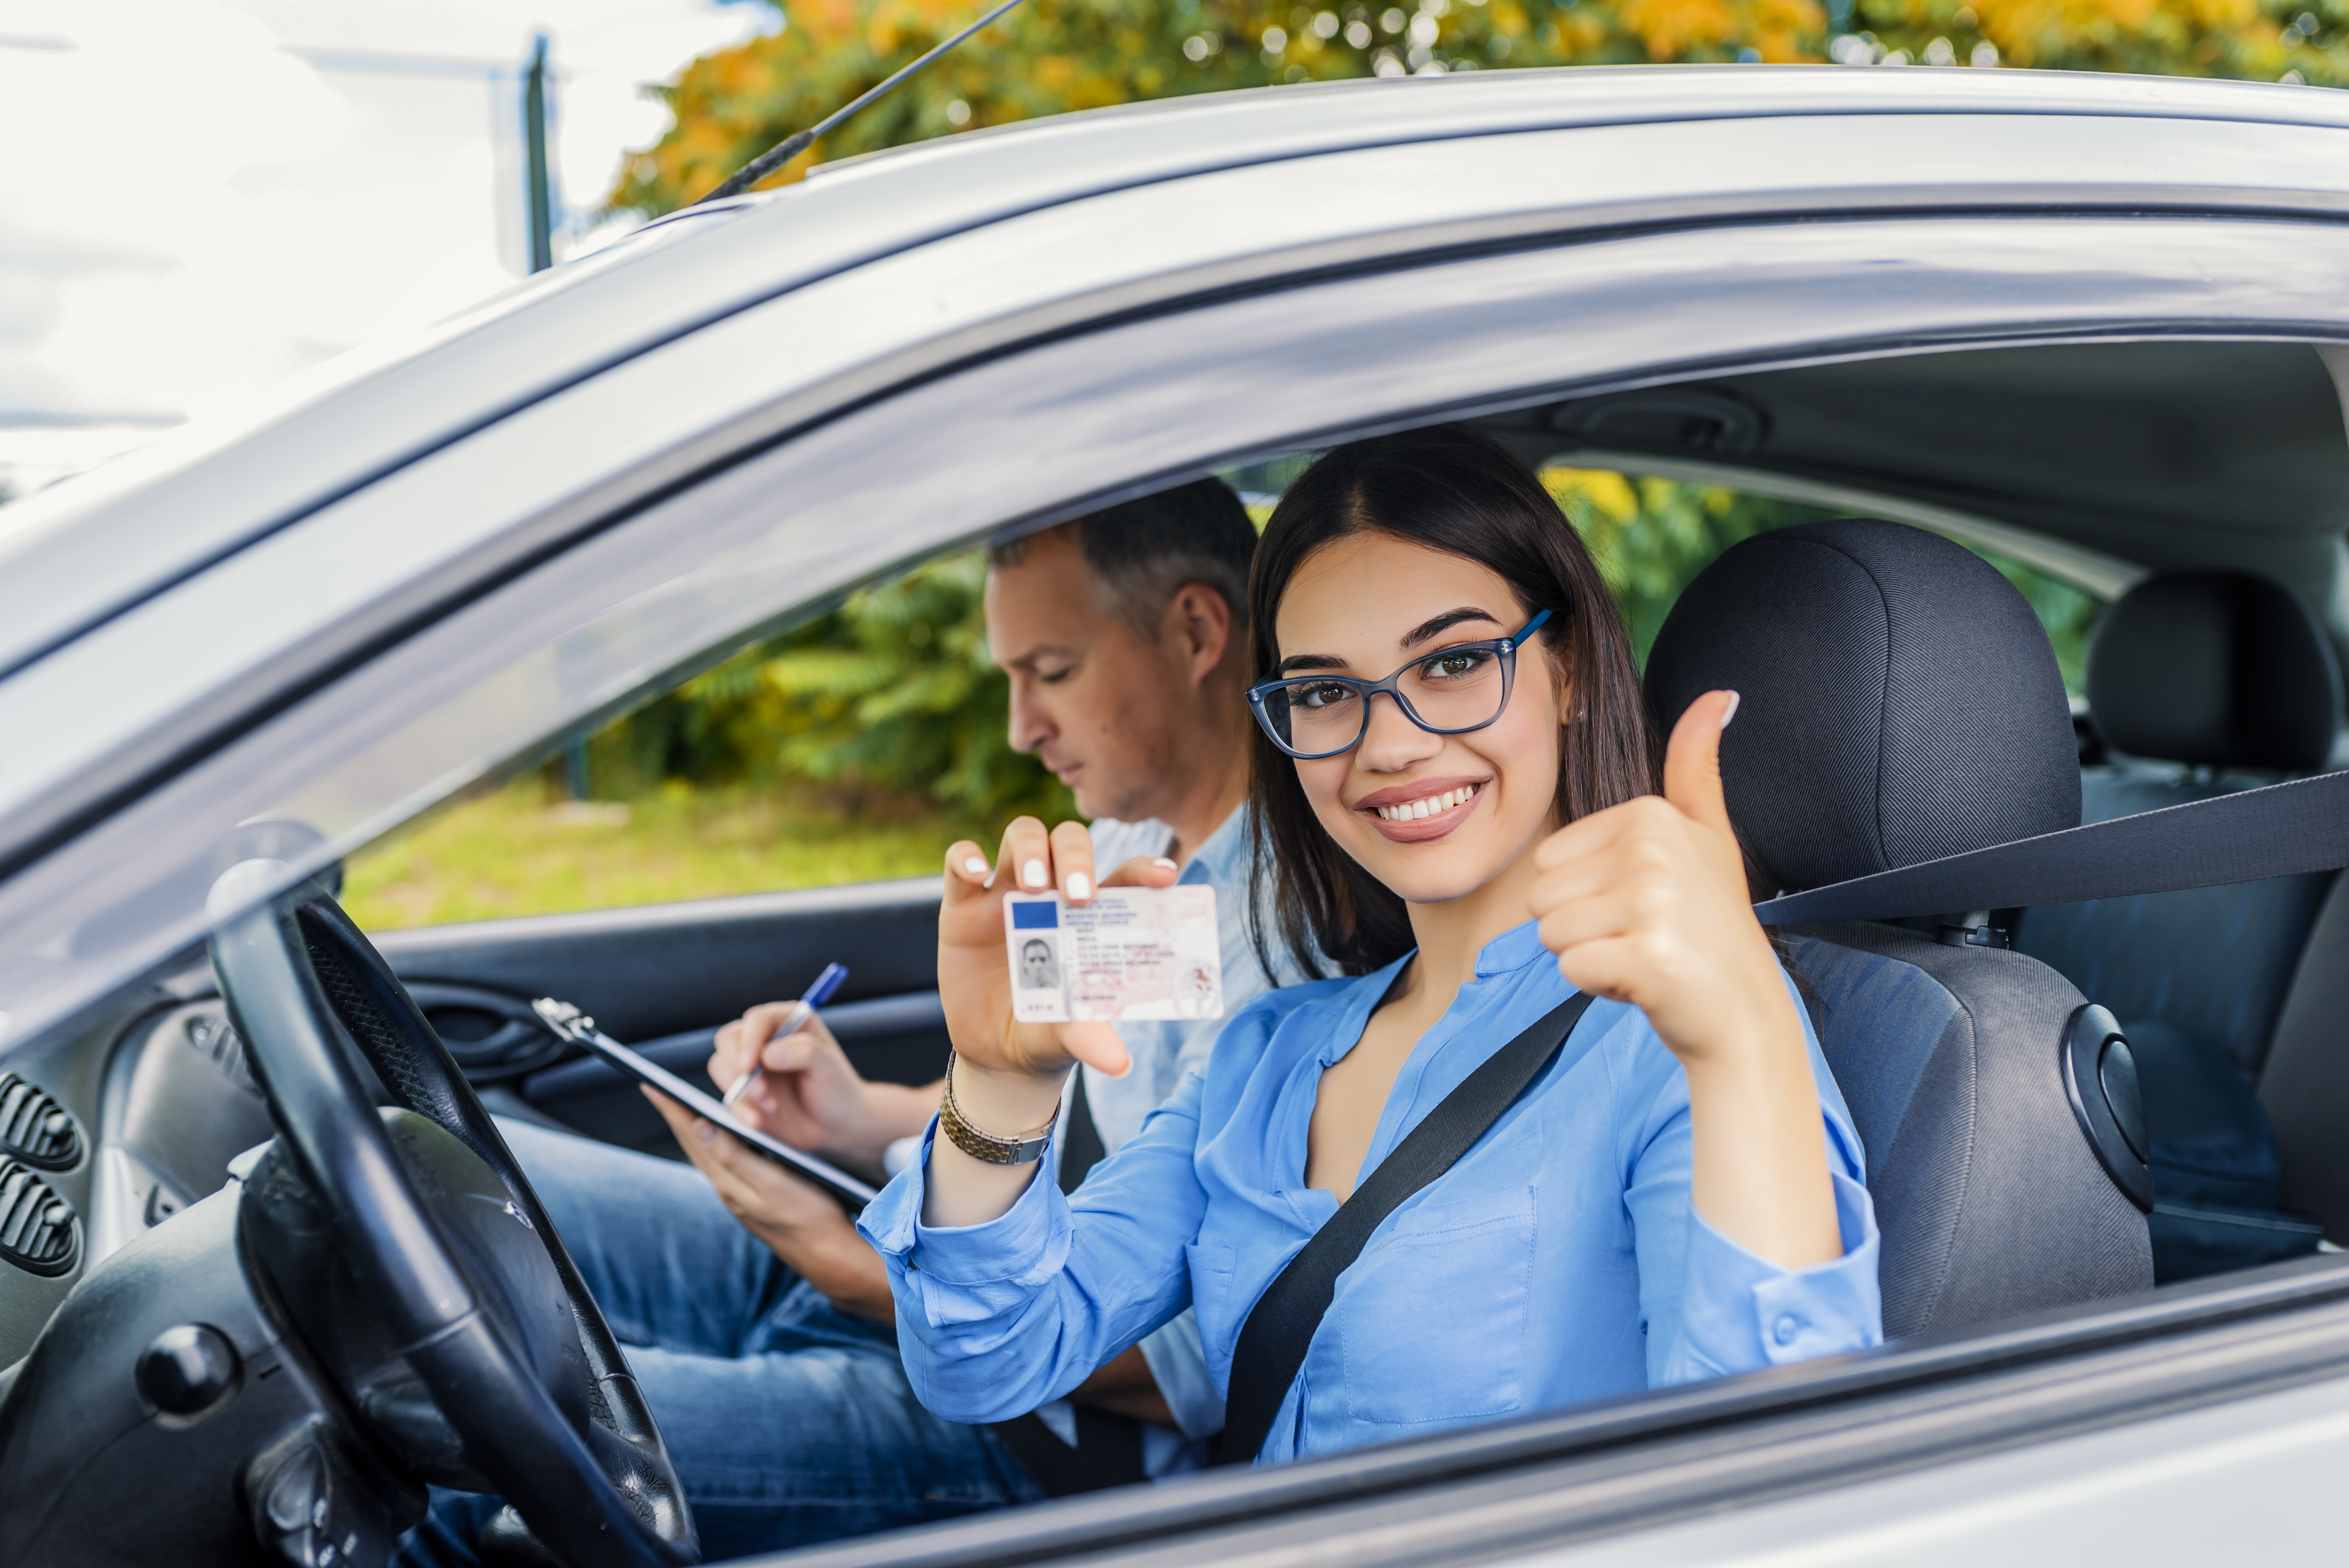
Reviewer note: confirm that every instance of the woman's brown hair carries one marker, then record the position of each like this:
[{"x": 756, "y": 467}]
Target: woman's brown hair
[{"x": 1454, "y": 490}]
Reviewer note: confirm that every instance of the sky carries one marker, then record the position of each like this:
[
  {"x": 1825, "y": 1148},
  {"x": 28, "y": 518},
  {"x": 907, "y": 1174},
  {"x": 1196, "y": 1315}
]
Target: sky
[{"x": 202, "y": 197}]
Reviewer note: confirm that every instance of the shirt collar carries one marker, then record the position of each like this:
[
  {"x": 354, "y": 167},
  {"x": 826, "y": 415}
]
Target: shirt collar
[
  {"x": 1215, "y": 858},
  {"x": 1511, "y": 951}
]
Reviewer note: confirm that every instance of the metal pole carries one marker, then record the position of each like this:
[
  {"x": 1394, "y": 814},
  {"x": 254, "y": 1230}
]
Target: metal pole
[{"x": 539, "y": 204}]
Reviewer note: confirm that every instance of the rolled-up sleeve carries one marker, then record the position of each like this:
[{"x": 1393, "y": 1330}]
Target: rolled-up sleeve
[
  {"x": 996, "y": 1319},
  {"x": 1711, "y": 1307},
  {"x": 1739, "y": 1312}
]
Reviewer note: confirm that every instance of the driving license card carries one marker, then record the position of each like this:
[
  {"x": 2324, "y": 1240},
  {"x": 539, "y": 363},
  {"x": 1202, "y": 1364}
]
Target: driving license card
[{"x": 1130, "y": 953}]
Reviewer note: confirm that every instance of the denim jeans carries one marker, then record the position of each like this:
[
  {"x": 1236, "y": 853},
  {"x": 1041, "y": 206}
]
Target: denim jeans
[{"x": 789, "y": 1422}]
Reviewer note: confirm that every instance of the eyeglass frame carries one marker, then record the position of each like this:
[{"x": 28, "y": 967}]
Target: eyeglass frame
[{"x": 1504, "y": 648}]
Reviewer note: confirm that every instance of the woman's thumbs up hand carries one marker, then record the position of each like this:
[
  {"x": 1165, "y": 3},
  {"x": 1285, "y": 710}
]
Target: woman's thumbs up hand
[{"x": 1645, "y": 902}]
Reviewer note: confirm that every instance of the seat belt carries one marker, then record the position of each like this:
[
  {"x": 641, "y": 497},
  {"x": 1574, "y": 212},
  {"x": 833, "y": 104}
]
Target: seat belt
[
  {"x": 1107, "y": 1450},
  {"x": 2280, "y": 831},
  {"x": 1281, "y": 1327}
]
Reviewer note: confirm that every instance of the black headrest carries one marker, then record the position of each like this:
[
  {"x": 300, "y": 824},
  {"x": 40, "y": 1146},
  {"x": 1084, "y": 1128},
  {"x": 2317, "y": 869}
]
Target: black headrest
[
  {"x": 2219, "y": 669},
  {"x": 1900, "y": 700}
]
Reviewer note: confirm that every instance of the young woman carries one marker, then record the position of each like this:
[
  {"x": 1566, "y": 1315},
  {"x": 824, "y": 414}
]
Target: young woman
[{"x": 1452, "y": 790}]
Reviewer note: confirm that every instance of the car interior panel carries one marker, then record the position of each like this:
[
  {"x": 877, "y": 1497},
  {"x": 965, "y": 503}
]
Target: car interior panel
[
  {"x": 2092, "y": 443},
  {"x": 2056, "y": 1217},
  {"x": 2303, "y": 1084},
  {"x": 663, "y": 977}
]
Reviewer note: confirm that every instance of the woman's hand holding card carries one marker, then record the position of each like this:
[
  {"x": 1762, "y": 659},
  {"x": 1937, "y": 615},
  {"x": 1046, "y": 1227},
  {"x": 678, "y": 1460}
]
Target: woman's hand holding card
[{"x": 1008, "y": 1075}]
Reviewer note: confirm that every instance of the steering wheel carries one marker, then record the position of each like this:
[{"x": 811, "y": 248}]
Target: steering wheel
[{"x": 303, "y": 987}]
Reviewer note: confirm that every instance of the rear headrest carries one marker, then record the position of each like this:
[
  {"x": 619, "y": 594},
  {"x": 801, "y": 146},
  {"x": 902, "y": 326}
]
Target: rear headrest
[
  {"x": 2219, "y": 669},
  {"x": 1900, "y": 700}
]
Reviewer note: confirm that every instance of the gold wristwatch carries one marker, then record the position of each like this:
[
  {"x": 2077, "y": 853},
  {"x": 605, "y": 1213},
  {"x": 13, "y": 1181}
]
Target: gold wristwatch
[{"x": 987, "y": 1145}]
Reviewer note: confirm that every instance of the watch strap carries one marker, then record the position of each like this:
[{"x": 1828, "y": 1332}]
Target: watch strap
[{"x": 985, "y": 1146}]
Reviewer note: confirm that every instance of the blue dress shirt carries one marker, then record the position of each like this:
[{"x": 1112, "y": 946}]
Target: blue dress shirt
[{"x": 1578, "y": 1197}]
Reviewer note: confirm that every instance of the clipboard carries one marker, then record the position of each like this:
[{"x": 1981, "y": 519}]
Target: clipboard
[{"x": 568, "y": 1023}]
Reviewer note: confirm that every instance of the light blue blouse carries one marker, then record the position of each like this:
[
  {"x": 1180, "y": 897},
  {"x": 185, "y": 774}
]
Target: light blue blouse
[{"x": 1578, "y": 1200}]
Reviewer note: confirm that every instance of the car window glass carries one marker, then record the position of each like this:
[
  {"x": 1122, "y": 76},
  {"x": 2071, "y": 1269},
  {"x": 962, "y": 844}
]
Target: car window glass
[{"x": 851, "y": 748}]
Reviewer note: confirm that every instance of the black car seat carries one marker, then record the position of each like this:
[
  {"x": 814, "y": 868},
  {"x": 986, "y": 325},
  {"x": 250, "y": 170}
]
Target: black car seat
[
  {"x": 1901, "y": 702},
  {"x": 2202, "y": 684}
]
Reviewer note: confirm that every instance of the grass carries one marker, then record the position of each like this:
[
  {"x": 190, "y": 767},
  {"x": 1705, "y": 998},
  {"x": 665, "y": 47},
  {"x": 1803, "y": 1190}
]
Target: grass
[{"x": 524, "y": 850}]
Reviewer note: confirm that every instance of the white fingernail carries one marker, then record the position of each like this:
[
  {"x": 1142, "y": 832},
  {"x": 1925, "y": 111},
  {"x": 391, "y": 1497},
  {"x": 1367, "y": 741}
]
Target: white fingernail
[
  {"x": 976, "y": 866},
  {"x": 1080, "y": 886},
  {"x": 1166, "y": 862},
  {"x": 1731, "y": 711},
  {"x": 1031, "y": 874}
]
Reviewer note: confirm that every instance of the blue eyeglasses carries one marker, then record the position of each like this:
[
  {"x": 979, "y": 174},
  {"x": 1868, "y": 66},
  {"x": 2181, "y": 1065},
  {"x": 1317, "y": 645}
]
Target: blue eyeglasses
[{"x": 1451, "y": 691}]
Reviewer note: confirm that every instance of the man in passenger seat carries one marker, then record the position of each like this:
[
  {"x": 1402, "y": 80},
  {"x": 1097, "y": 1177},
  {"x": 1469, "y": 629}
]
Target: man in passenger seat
[{"x": 764, "y": 1341}]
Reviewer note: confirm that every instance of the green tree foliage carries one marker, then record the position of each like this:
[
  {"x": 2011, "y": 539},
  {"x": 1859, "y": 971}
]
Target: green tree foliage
[
  {"x": 893, "y": 691},
  {"x": 1054, "y": 55},
  {"x": 901, "y": 692}
]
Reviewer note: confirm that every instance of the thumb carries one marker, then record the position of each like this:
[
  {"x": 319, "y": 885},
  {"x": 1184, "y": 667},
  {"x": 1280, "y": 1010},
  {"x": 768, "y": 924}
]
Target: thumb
[
  {"x": 1693, "y": 761},
  {"x": 1097, "y": 1045}
]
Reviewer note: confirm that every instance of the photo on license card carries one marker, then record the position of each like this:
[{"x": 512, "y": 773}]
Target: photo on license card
[{"x": 1129, "y": 954}]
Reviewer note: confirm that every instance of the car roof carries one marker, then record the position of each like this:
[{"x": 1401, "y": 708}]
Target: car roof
[{"x": 86, "y": 550}]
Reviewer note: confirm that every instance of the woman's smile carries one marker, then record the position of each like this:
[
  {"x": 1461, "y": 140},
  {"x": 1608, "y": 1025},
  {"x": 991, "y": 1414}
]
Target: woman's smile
[{"x": 1424, "y": 809}]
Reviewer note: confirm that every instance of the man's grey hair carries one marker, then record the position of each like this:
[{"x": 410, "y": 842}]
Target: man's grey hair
[{"x": 1141, "y": 553}]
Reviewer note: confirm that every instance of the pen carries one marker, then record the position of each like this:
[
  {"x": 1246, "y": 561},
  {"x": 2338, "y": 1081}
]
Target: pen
[{"x": 802, "y": 1014}]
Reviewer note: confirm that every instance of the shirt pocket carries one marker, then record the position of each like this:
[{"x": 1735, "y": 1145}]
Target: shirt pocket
[{"x": 1431, "y": 1317}]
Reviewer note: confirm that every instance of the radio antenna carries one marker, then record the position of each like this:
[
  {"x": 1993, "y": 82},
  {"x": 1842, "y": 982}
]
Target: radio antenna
[{"x": 782, "y": 153}]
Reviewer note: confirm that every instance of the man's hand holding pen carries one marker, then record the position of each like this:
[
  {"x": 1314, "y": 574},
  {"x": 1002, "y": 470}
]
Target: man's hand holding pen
[{"x": 810, "y": 1096}]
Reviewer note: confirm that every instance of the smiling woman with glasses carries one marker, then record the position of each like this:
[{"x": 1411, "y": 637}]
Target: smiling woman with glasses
[{"x": 1559, "y": 1095}]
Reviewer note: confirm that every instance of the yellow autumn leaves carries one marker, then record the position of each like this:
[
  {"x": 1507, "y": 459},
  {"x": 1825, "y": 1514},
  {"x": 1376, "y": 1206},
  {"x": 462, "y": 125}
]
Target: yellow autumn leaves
[{"x": 1055, "y": 56}]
